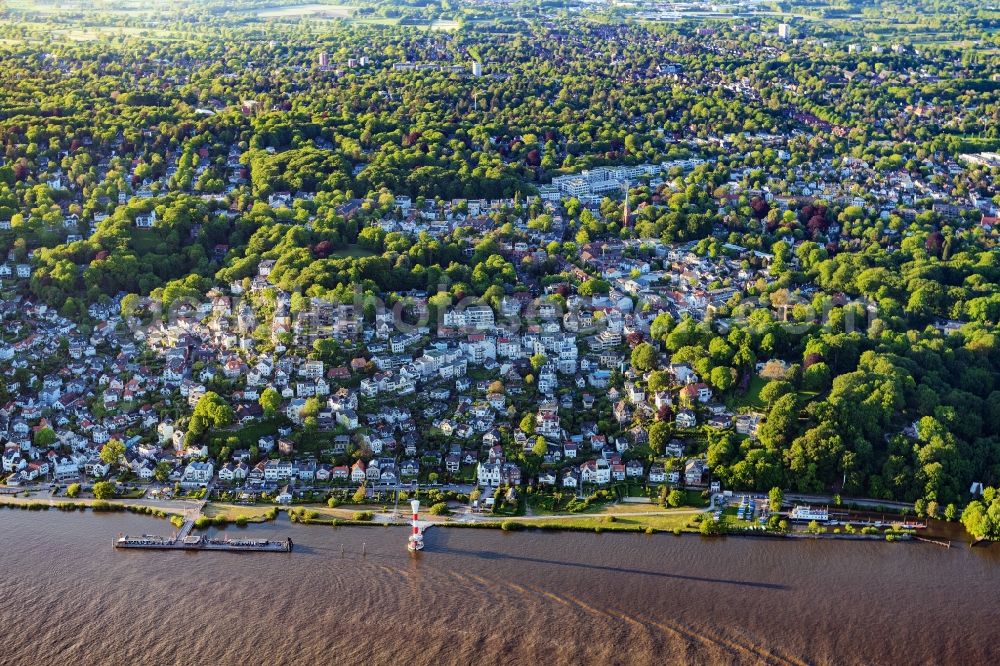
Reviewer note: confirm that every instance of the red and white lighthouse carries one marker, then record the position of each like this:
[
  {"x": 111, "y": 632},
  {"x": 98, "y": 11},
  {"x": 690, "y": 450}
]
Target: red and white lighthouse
[{"x": 416, "y": 541}]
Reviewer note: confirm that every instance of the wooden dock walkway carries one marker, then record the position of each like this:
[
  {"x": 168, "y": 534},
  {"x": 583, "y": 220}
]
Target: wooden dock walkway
[{"x": 185, "y": 529}]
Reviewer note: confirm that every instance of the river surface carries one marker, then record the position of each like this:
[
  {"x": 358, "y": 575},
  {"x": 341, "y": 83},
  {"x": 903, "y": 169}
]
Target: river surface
[{"x": 487, "y": 596}]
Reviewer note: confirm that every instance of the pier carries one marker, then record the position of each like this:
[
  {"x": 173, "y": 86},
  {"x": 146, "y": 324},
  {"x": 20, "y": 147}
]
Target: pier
[
  {"x": 184, "y": 540},
  {"x": 153, "y": 542}
]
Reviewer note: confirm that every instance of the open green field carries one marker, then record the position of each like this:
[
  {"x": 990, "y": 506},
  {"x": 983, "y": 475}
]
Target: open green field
[
  {"x": 256, "y": 513},
  {"x": 353, "y": 251},
  {"x": 751, "y": 400},
  {"x": 345, "y": 512},
  {"x": 445, "y": 24},
  {"x": 752, "y": 397},
  {"x": 693, "y": 498},
  {"x": 298, "y": 11},
  {"x": 93, "y": 33},
  {"x": 40, "y": 29},
  {"x": 664, "y": 521},
  {"x": 729, "y": 517},
  {"x": 375, "y": 20},
  {"x": 42, "y": 7}
]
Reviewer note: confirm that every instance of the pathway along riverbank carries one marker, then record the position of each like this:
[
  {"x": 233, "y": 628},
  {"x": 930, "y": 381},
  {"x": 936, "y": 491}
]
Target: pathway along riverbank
[{"x": 192, "y": 519}]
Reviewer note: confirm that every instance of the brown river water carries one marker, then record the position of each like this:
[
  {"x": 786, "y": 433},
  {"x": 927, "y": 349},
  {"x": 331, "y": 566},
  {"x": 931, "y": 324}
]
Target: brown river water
[{"x": 487, "y": 597}]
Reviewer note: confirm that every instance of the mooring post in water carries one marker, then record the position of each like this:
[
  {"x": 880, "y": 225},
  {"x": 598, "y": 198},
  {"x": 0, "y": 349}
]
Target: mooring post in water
[
  {"x": 341, "y": 550},
  {"x": 364, "y": 548}
]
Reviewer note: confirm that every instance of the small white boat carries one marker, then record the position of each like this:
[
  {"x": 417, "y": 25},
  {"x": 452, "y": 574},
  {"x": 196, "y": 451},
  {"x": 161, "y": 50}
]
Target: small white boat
[{"x": 415, "y": 543}]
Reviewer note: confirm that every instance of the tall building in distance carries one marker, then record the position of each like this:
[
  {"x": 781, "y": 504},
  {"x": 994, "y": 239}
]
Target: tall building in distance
[
  {"x": 783, "y": 31},
  {"x": 477, "y": 68},
  {"x": 324, "y": 59}
]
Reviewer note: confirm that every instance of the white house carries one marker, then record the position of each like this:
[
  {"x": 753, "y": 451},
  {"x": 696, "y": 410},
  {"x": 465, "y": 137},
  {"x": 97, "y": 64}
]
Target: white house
[
  {"x": 276, "y": 470},
  {"x": 570, "y": 479},
  {"x": 686, "y": 419},
  {"x": 65, "y": 468},
  {"x": 198, "y": 474},
  {"x": 145, "y": 221}
]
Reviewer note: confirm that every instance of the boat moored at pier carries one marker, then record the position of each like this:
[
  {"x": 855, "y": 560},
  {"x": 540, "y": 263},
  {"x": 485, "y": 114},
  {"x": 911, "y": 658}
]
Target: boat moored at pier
[
  {"x": 198, "y": 542},
  {"x": 810, "y": 513}
]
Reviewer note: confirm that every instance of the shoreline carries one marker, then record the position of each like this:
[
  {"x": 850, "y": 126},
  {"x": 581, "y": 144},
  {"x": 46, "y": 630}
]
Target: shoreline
[
  {"x": 94, "y": 505},
  {"x": 298, "y": 515},
  {"x": 628, "y": 529}
]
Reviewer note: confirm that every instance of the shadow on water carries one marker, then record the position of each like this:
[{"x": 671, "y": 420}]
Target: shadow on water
[{"x": 494, "y": 556}]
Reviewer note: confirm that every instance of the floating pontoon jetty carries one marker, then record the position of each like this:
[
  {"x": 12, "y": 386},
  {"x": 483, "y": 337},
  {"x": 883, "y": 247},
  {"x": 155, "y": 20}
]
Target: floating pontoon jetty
[
  {"x": 152, "y": 542},
  {"x": 184, "y": 540}
]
